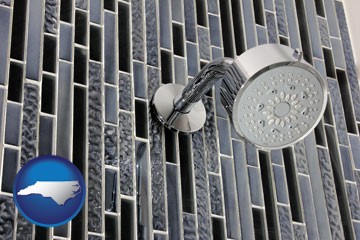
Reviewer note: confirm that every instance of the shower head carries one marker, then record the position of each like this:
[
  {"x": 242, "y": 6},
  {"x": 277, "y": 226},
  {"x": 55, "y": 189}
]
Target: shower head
[{"x": 273, "y": 96}]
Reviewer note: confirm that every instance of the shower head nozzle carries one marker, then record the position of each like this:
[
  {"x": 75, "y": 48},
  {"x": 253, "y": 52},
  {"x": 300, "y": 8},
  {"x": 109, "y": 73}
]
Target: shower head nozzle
[{"x": 273, "y": 96}]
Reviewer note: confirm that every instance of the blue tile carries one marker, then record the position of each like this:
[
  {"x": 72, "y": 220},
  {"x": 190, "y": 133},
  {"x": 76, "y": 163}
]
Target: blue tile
[
  {"x": 251, "y": 154},
  {"x": 213, "y": 6},
  {"x": 292, "y": 23},
  {"x": 338, "y": 52}
]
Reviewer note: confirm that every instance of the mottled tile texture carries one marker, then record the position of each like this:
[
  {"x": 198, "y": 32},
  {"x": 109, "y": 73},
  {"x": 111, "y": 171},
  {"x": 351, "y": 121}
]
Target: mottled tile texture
[
  {"x": 51, "y": 16},
  {"x": 95, "y": 149}
]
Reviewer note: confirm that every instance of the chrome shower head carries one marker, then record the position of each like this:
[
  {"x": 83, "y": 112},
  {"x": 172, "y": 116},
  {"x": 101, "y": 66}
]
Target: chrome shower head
[{"x": 273, "y": 96}]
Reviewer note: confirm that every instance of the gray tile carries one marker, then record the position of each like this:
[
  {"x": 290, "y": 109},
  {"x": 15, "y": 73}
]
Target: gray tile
[
  {"x": 355, "y": 149},
  {"x": 110, "y": 58},
  {"x": 211, "y": 143},
  {"x": 4, "y": 39},
  {"x": 9, "y": 169},
  {"x": 243, "y": 191},
  {"x": 125, "y": 92},
  {"x": 51, "y": 16},
  {"x": 180, "y": 70},
  {"x": 286, "y": 228},
  {"x": 271, "y": 27},
  {"x": 110, "y": 105},
  {"x": 111, "y": 194},
  {"x": 139, "y": 80},
  {"x": 157, "y": 175},
  {"x": 153, "y": 80},
  {"x": 349, "y": 58},
  {"x": 95, "y": 149},
  {"x": 192, "y": 59},
  {"x": 332, "y": 18},
  {"x": 330, "y": 195},
  {"x": 95, "y": 11},
  {"x": 249, "y": 23},
  {"x": 224, "y": 136},
  {"x": 215, "y": 33},
  {"x": 5, "y": 2},
  {"x": 64, "y": 110},
  {"x": 277, "y": 157},
  {"x": 251, "y": 154},
  {"x": 215, "y": 195},
  {"x": 262, "y": 35},
  {"x": 12, "y": 126},
  {"x": 45, "y": 135},
  {"x": 300, "y": 232},
  {"x": 126, "y": 153},
  {"x": 309, "y": 210},
  {"x": 313, "y": 29},
  {"x": 353, "y": 197},
  {"x": 137, "y": 13},
  {"x": 269, "y": 5},
  {"x": 173, "y": 191},
  {"x": 161, "y": 237},
  {"x": 29, "y": 134},
  {"x": 177, "y": 11},
  {"x": 165, "y": 24},
  {"x": 338, "y": 51},
  {"x": 257, "y": 197},
  {"x": 190, "y": 20},
  {"x": 300, "y": 154},
  {"x": 201, "y": 186},
  {"x": 230, "y": 202},
  {"x": 281, "y": 17},
  {"x": 151, "y": 33},
  {"x": 189, "y": 223},
  {"x": 34, "y": 38},
  {"x": 213, "y": 6},
  {"x": 280, "y": 184},
  {"x": 65, "y": 51},
  {"x": 347, "y": 163},
  {"x": 292, "y": 23},
  {"x": 338, "y": 112},
  {"x": 111, "y": 145},
  {"x": 204, "y": 43},
  {"x": 81, "y": 4},
  {"x": 7, "y": 214},
  {"x": 324, "y": 33},
  {"x": 24, "y": 228}
]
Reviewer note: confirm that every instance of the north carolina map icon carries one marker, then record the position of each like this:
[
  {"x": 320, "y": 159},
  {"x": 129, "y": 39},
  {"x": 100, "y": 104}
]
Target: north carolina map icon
[
  {"x": 59, "y": 191},
  {"x": 49, "y": 191}
]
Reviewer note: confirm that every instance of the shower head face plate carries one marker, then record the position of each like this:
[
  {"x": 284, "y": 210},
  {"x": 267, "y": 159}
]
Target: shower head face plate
[{"x": 280, "y": 106}]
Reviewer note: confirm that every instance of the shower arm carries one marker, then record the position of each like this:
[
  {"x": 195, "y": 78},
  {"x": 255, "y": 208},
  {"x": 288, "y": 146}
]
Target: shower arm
[{"x": 198, "y": 87}]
